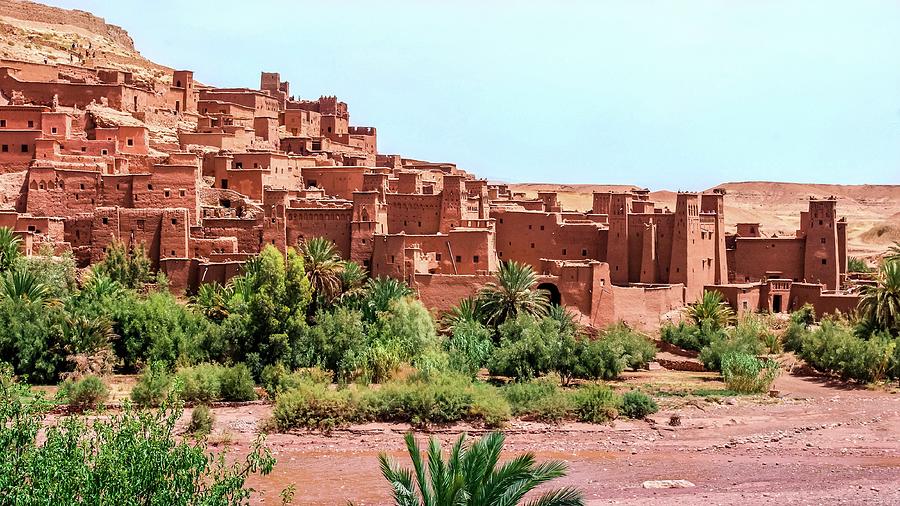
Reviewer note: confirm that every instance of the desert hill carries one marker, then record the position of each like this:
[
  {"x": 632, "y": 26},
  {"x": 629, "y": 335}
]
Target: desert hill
[
  {"x": 33, "y": 32},
  {"x": 872, "y": 210}
]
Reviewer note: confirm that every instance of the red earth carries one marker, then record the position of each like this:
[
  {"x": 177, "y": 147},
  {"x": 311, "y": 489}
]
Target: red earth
[{"x": 819, "y": 442}]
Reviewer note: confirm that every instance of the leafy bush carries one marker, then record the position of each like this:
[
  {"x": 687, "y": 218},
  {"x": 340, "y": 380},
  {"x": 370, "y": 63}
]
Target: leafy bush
[
  {"x": 443, "y": 399},
  {"x": 596, "y": 404},
  {"x": 152, "y": 386},
  {"x": 201, "y": 421},
  {"x": 834, "y": 348},
  {"x": 129, "y": 458},
  {"x": 633, "y": 347},
  {"x": 314, "y": 406},
  {"x": 87, "y": 393},
  {"x": 528, "y": 348},
  {"x": 469, "y": 347},
  {"x": 638, "y": 405},
  {"x": 747, "y": 374},
  {"x": 237, "y": 384},
  {"x": 276, "y": 378},
  {"x": 690, "y": 337},
  {"x": 747, "y": 338},
  {"x": 201, "y": 383},
  {"x": 539, "y": 399},
  {"x": 212, "y": 382}
]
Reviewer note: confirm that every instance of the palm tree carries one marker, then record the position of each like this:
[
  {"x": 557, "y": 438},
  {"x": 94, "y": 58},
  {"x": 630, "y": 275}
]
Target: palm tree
[
  {"x": 353, "y": 280},
  {"x": 212, "y": 300},
  {"x": 471, "y": 476},
  {"x": 567, "y": 322},
  {"x": 710, "y": 308},
  {"x": 99, "y": 285},
  {"x": 468, "y": 310},
  {"x": 22, "y": 285},
  {"x": 323, "y": 268},
  {"x": 880, "y": 304},
  {"x": 514, "y": 293},
  {"x": 380, "y": 293},
  {"x": 893, "y": 253},
  {"x": 9, "y": 248}
]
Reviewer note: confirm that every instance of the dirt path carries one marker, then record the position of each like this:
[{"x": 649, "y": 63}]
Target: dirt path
[{"x": 818, "y": 444}]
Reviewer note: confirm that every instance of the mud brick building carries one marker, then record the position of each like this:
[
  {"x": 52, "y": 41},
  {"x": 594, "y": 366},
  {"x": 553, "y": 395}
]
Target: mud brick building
[{"x": 204, "y": 177}]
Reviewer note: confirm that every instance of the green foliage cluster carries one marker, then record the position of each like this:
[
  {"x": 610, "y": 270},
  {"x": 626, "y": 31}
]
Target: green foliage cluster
[
  {"x": 212, "y": 382},
  {"x": 448, "y": 398},
  {"x": 530, "y": 348},
  {"x": 835, "y": 348},
  {"x": 86, "y": 393},
  {"x": 130, "y": 458},
  {"x": 201, "y": 422},
  {"x": 747, "y": 374},
  {"x": 638, "y": 405}
]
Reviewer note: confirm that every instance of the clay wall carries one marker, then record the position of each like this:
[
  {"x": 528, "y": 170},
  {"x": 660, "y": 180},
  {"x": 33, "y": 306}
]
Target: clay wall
[
  {"x": 332, "y": 223},
  {"x": 528, "y": 236},
  {"x": 336, "y": 181},
  {"x": 413, "y": 214},
  {"x": 753, "y": 257}
]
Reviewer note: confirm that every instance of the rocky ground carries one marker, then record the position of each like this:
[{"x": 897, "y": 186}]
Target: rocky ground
[{"x": 817, "y": 443}]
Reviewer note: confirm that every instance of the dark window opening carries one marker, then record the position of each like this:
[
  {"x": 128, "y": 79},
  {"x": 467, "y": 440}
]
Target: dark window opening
[
  {"x": 130, "y": 142},
  {"x": 24, "y": 148},
  {"x": 475, "y": 259},
  {"x": 174, "y": 221},
  {"x": 552, "y": 293},
  {"x": 106, "y": 221},
  {"x": 824, "y": 261},
  {"x": 458, "y": 259},
  {"x": 224, "y": 184}
]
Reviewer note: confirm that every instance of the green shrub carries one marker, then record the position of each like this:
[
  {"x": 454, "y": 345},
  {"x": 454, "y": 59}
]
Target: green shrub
[
  {"x": 152, "y": 386},
  {"x": 747, "y": 374},
  {"x": 690, "y": 337},
  {"x": 314, "y": 406},
  {"x": 834, "y": 348},
  {"x": 469, "y": 347},
  {"x": 201, "y": 421},
  {"x": 596, "y": 404},
  {"x": 528, "y": 348},
  {"x": 128, "y": 457},
  {"x": 206, "y": 383},
  {"x": 638, "y": 405},
  {"x": 276, "y": 378},
  {"x": 443, "y": 399},
  {"x": 747, "y": 338},
  {"x": 539, "y": 399},
  {"x": 598, "y": 359},
  {"x": 237, "y": 384},
  {"x": 794, "y": 336},
  {"x": 201, "y": 383},
  {"x": 87, "y": 393},
  {"x": 633, "y": 347}
]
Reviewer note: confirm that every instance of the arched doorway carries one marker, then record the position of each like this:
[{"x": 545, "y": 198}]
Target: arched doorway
[{"x": 552, "y": 291}]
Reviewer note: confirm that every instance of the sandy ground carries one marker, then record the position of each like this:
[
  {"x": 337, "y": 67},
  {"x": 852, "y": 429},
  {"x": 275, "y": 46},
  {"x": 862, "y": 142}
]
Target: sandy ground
[{"x": 818, "y": 443}]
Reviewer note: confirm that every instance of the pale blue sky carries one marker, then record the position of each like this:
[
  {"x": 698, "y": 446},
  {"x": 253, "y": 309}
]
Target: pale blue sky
[{"x": 665, "y": 94}]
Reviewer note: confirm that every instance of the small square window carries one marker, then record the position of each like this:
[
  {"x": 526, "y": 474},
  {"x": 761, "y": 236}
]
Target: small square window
[
  {"x": 437, "y": 256},
  {"x": 106, "y": 221},
  {"x": 458, "y": 259},
  {"x": 130, "y": 142},
  {"x": 174, "y": 221},
  {"x": 824, "y": 261},
  {"x": 52, "y": 130},
  {"x": 104, "y": 152},
  {"x": 81, "y": 186},
  {"x": 5, "y": 148},
  {"x": 168, "y": 193},
  {"x": 2, "y": 123},
  {"x": 564, "y": 251},
  {"x": 584, "y": 252},
  {"x": 182, "y": 193},
  {"x": 542, "y": 227},
  {"x": 532, "y": 245},
  {"x": 822, "y": 240},
  {"x": 30, "y": 124},
  {"x": 475, "y": 259},
  {"x": 24, "y": 148}
]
